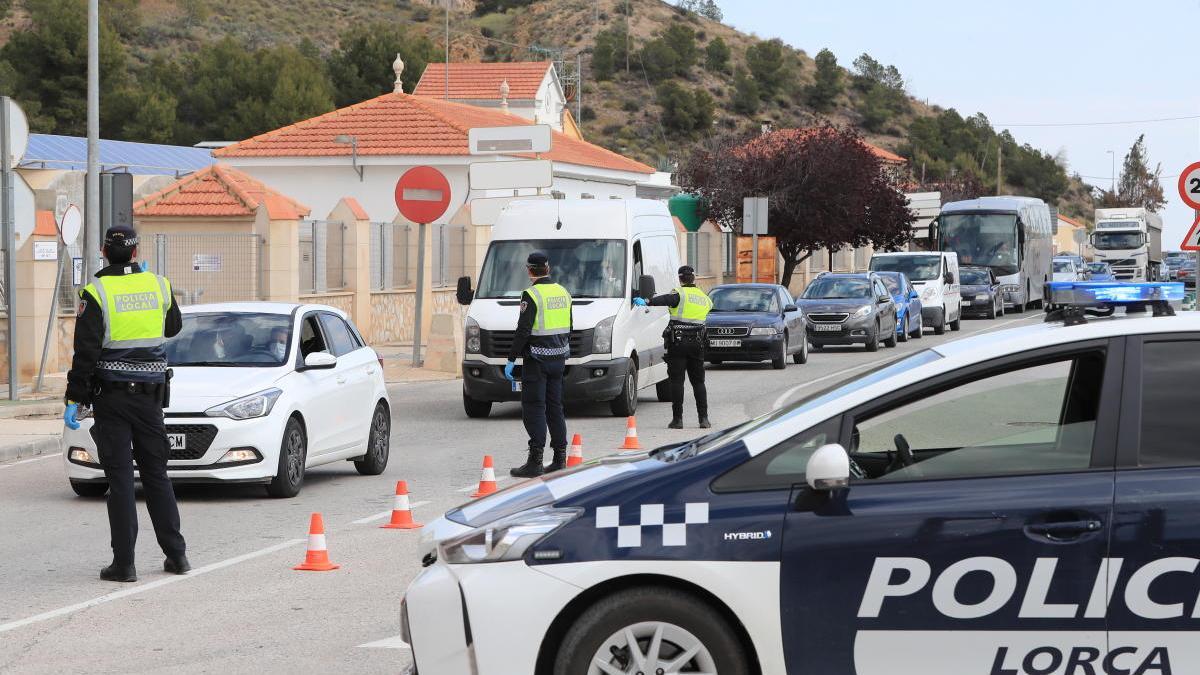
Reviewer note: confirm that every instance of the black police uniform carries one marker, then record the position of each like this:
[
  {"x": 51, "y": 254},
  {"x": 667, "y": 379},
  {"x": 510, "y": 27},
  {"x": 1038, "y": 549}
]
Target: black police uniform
[
  {"x": 126, "y": 388},
  {"x": 685, "y": 345},
  {"x": 545, "y": 361}
]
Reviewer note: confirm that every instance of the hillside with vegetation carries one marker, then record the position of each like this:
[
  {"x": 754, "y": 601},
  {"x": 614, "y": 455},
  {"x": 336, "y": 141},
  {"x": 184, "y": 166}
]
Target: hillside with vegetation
[{"x": 657, "y": 77}]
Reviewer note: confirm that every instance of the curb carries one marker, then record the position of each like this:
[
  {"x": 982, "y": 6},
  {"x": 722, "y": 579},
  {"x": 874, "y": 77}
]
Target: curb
[{"x": 31, "y": 448}]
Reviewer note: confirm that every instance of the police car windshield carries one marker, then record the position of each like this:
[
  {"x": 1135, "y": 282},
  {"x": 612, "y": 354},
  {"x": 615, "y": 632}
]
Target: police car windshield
[
  {"x": 233, "y": 340},
  {"x": 813, "y": 400},
  {"x": 587, "y": 268}
]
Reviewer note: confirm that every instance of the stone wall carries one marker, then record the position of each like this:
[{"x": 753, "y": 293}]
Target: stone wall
[
  {"x": 342, "y": 301},
  {"x": 391, "y": 317},
  {"x": 65, "y": 334}
]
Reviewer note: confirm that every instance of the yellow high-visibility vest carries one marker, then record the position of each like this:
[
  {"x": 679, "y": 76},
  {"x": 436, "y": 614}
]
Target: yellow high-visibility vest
[
  {"x": 134, "y": 308},
  {"x": 694, "y": 305},
  {"x": 553, "y": 304}
]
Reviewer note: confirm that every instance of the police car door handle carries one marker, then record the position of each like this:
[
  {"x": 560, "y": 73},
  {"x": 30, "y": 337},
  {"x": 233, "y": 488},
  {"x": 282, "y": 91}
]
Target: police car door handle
[
  {"x": 1064, "y": 530},
  {"x": 341, "y": 380}
]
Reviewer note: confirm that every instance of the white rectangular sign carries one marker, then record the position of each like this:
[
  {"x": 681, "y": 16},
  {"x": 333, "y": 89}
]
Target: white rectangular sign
[
  {"x": 76, "y": 271},
  {"x": 206, "y": 262},
  {"x": 507, "y": 140},
  {"x": 513, "y": 175},
  {"x": 485, "y": 210},
  {"x": 45, "y": 250},
  {"x": 754, "y": 215}
]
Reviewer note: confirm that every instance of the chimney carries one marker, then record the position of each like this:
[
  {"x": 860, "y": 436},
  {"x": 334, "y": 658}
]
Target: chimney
[
  {"x": 767, "y": 127},
  {"x": 398, "y": 67},
  {"x": 504, "y": 95}
]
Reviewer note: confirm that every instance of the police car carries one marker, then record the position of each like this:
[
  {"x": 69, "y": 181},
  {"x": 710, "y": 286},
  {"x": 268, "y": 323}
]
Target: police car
[{"x": 1024, "y": 502}]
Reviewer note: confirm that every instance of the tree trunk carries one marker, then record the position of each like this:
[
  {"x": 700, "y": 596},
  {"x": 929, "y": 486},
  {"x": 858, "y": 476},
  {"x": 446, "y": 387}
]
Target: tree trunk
[{"x": 790, "y": 263}]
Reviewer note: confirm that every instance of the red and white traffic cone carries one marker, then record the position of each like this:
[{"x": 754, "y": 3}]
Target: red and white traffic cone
[
  {"x": 317, "y": 558},
  {"x": 401, "y": 510},
  {"x": 631, "y": 437},
  {"x": 487, "y": 481},
  {"x": 575, "y": 452}
]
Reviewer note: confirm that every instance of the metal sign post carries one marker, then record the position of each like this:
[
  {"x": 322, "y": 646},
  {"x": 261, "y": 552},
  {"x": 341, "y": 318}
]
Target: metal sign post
[
  {"x": 754, "y": 223},
  {"x": 423, "y": 196},
  {"x": 68, "y": 231},
  {"x": 10, "y": 254}
]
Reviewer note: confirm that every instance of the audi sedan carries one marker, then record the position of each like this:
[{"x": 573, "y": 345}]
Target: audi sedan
[
  {"x": 848, "y": 309},
  {"x": 261, "y": 393},
  {"x": 755, "y": 322}
]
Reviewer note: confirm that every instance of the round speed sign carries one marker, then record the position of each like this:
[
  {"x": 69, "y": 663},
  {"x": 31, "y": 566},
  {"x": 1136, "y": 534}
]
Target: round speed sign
[{"x": 1189, "y": 185}]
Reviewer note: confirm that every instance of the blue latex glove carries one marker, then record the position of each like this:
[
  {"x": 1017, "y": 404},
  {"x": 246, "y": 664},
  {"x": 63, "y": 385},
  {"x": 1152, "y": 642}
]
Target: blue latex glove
[
  {"x": 69, "y": 416},
  {"x": 508, "y": 371},
  {"x": 640, "y": 302}
]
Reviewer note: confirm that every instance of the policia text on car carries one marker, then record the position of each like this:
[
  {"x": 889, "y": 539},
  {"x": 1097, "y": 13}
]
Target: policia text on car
[
  {"x": 120, "y": 368},
  {"x": 685, "y": 338},
  {"x": 542, "y": 339}
]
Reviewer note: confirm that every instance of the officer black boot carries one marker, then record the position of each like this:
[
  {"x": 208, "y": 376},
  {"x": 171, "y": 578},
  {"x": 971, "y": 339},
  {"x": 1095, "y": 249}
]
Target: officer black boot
[
  {"x": 177, "y": 565},
  {"x": 704, "y": 423},
  {"x": 559, "y": 462},
  {"x": 532, "y": 466},
  {"x": 115, "y": 572},
  {"x": 676, "y": 423}
]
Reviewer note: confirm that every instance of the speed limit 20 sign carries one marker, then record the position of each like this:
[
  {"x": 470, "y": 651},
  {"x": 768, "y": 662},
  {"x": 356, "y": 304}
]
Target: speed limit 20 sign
[{"x": 1189, "y": 192}]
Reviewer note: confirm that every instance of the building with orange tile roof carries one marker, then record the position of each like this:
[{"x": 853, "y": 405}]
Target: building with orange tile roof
[{"x": 529, "y": 89}]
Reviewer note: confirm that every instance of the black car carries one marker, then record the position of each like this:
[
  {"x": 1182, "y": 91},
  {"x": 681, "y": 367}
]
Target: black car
[
  {"x": 847, "y": 309},
  {"x": 755, "y": 322},
  {"x": 980, "y": 291}
]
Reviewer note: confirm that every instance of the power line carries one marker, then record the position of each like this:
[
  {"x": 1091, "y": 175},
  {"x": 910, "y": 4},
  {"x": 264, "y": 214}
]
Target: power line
[{"x": 1101, "y": 124}]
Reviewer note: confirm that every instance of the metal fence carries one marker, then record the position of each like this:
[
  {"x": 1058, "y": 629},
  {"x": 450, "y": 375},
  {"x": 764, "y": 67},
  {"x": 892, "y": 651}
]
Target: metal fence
[
  {"x": 700, "y": 254},
  {"x": 321, "y": 258},
  {"x": 209, "y": 267},
  {"x": 393, "y": 256},
  {"x": 449, "y": 254}
]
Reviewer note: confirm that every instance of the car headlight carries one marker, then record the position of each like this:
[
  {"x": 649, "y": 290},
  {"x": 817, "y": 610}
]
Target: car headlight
[
  {"x": 507, "y": 538},
  {"x": 981, "y": 297},
  {"x": 928, "y": 293},
  {"x": 764, "y": 330},
  {"x": 1010, "y": 288},
  {"x": 602, "y": 336},
  {"x": 861, "y": 312},
  {"x": 247, "y": 407},
  {"x": 474, "y": 343}
]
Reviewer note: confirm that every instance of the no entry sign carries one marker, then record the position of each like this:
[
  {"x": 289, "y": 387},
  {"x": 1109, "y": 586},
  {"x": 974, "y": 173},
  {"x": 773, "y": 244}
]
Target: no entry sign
[
  {"x": 1189, "y": 192},
  {"x": 422, "y": 194}
]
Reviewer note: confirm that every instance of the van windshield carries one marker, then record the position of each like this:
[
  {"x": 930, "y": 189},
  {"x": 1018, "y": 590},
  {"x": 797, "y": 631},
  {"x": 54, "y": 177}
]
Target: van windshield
[
  {"x": 915, "y": 267},
  {"x": 587, "y": 268}
]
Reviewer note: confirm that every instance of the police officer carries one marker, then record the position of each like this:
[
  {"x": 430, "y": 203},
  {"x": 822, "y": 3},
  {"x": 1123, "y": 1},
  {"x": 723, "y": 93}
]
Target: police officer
[
  {"x": 543, "y": 341},
  {"x": 685, "y": 341},
  {"x": 120, "y": 368}
]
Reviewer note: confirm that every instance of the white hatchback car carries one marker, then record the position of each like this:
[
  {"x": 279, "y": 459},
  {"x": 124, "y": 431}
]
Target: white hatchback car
[{"x": 261, "y": 392}]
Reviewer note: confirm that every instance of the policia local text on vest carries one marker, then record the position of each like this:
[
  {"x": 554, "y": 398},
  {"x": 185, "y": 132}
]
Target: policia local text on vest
[
  {"x": 685, "y": 339},
  {"x": 543, "y": 341},
  {"x": 120, "y": 369}
]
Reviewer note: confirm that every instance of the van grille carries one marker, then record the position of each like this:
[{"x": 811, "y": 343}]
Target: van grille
[{"x": 497, "y": 343}]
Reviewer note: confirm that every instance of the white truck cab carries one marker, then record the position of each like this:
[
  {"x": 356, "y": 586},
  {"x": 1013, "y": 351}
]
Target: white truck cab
[
  {"x": 605, "y": 253},
  {"x": 934, "y": 274}
]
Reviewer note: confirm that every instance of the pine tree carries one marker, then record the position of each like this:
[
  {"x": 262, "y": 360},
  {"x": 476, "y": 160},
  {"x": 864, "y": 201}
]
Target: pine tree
[
  {"x": 681, "y": 40},
  {"x": 745, "y": 93},
  {"x": 765, "y": 60},
  {"x": 716, "y": 56},
  {"x": 1137, "y": 186},
  {"x": 828, "y": 84}
]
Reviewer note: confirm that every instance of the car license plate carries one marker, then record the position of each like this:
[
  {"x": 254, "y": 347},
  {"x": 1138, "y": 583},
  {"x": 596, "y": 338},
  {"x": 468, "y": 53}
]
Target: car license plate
[
  {"x": 725, "y": 343},
  {"x": 177, "y": 441},
  {"x": 827, "y": 327}
]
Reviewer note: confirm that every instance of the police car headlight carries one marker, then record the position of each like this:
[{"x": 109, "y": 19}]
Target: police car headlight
[
  {"x": 764, "y": 330},
  {"x": 247, "y": 407},
  {"x": 602, "y": 336},
  {"x": 506, "y": 539},
  {"x": 474, "y": 342},
  {"x": 861, "y": 312}
]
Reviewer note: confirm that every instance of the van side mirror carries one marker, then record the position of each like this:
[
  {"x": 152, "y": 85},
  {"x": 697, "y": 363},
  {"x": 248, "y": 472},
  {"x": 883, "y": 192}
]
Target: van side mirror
[
  {"x": 464, "y": 294},
  {"x": 645, "y": 289},
  {"x": 828, "y": 468},
  {"x": 948, "y": 278}
]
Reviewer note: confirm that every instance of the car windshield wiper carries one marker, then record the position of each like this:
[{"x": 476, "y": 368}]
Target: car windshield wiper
[{"x": 209, "y": 364}]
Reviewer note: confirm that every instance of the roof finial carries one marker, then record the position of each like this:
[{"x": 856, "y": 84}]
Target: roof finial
[
  {"x": 504, "y": 95},
  {"x": 398, "y": 67}
]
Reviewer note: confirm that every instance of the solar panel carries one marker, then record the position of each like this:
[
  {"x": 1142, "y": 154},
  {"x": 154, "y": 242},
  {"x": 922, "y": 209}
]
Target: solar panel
[{"x": 48, "y": 151}]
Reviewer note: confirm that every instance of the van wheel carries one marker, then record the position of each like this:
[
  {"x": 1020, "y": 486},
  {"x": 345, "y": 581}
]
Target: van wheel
[
  {"x": 939, "y": 328},
  {"x": 646, "y": 630},
  {"x": 663, "y": 391},
  {"x": 957, "y": 323},
  {"x": 476, "y": 409},
  {"x": 378, "y": 443},
  {"x": 625, "y": 404},
  {"x": 89, "y": 489},
  {"x": 289, "y": 474}
]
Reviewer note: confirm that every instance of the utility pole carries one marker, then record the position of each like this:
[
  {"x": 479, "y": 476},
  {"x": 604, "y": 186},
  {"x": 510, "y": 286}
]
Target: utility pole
[
  {"x": 1114, "y": 172},
  {"x": 626, "y": 37},
  {"x": 999, "y": 169},
  {"x": 92, "y": 234},
  {"x": 446, "y": 90},
  {"x": 579, "y": 89},
  {"x": 7, "y": 218}
]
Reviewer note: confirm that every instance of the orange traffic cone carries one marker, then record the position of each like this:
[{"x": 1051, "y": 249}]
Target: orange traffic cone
[
  {"x": 575, "y": 452},
  {"x": 401, "y": 511},
  {"x": 317, "y": 558},
  {"x": 631, "y": 439},
  {"x": 487, "y": 481}
]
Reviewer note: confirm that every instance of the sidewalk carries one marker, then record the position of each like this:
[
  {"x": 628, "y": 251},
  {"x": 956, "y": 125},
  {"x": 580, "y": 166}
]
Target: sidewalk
[{"x": 398, "y": 368}]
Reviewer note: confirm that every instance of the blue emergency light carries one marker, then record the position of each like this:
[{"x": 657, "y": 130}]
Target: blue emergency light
[{"x": 1101, "y": 298}]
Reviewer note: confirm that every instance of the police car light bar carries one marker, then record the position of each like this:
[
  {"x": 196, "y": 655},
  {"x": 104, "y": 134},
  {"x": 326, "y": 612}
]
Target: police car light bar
[{"x": 1073, "y": 296}]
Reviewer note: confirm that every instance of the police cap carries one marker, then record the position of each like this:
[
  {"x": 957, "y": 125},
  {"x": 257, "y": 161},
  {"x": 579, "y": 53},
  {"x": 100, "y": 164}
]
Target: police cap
[
  {"x": 120, "y": 236},
  {"x": 537, "y": 259},
  {"x": 687, "y": 271}
]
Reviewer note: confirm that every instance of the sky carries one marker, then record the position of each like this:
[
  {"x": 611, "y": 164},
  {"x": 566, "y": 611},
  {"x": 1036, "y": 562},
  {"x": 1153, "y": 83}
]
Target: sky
[{"x": 1027, "y": 62}]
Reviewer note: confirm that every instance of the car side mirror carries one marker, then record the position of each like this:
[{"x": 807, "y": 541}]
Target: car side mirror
[
  {"x": 913, "y": 295},
  {"x": 790, "y": 308},
  {"x": 318, "y": 361},
  {"x": 828, "y": 468},
  {"x": 882, "y": 300},
  {"x": 464, "y": 294},
  {"x": 645, "y": 289}
]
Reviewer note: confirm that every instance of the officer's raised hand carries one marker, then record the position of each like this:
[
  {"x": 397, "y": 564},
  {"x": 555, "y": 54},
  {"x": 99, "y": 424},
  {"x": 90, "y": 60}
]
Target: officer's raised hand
[
  {"x": 508, "y": 371},
  {"x": 71, "y": 416},
  {"x": 640, "y": 302}
]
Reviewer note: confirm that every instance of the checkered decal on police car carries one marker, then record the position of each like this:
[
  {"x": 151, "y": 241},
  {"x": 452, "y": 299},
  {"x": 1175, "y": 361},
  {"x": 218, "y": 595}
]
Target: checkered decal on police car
[{"x": 652, "y": 515}]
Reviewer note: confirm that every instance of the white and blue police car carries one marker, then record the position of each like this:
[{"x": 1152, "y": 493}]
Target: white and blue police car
[{"x": 1024, "y": 502}]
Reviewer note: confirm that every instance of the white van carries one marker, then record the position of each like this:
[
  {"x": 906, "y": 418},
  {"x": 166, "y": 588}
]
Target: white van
[
  {"x": 605, "y": 253},
  {"x": 935, "y": 276}
]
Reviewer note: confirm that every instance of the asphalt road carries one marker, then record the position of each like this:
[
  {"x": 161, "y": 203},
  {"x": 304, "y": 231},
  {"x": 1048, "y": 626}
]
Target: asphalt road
[{"x": 243, "y": 607}]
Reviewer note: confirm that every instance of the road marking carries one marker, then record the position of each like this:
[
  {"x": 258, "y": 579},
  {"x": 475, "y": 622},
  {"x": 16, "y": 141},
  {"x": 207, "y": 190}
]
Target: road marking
[
  {"x": 384, "y": 514},
  {"x": 26, "y": 461},
  {"x": 388, "y": 643},
  {"x": 791, "y": 392},
  {"x": 142, "y": 588}
]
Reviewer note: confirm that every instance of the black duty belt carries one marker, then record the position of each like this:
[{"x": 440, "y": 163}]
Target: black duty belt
[{"x": 153, "y": 388}]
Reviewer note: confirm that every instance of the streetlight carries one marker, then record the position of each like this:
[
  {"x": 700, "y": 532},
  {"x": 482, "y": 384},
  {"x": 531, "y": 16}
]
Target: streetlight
[
  {"x": 1114, "y": 170},
  {"x": 352, "y": 141}
]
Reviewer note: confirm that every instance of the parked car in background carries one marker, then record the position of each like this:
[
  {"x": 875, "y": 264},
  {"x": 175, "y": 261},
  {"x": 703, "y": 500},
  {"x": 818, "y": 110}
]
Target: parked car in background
[
  {"x": 1186, "y": 273},
  {"x": 1171, "y": 262},
  {"x": 262, "y": 391},
  {"x": 1065, "y": 269},
  {"x": 847, "y": 309},
  {"x": 1100, "y": 271},
  {"x": 980, "y": 290},
  {"x": 908, "y": 305},
  {"x": 755, "y": 322}
]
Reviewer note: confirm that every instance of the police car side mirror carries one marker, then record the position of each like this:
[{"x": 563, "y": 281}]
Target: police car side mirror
[
  {"x": 645, "y": 288},
  {"x": 464, "y": 293},
  {"x": 319, "y": 361},
  {"x": 828, "y": 468}
]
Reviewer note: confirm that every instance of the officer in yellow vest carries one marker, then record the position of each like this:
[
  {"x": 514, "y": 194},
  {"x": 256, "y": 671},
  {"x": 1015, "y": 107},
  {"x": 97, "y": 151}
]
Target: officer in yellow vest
[
  {"x": 120, "y": 369},
  {"x": 685, "y": 338},
  {"x": 543, "y": 341}
]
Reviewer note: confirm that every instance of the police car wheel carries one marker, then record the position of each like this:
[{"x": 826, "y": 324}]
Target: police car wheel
[
  {"x": 378, "y": 443},
  {"x": 89, "y": 489},
  {"x": 651, "y": 630},
  {"x": 289, "y": 475}
]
